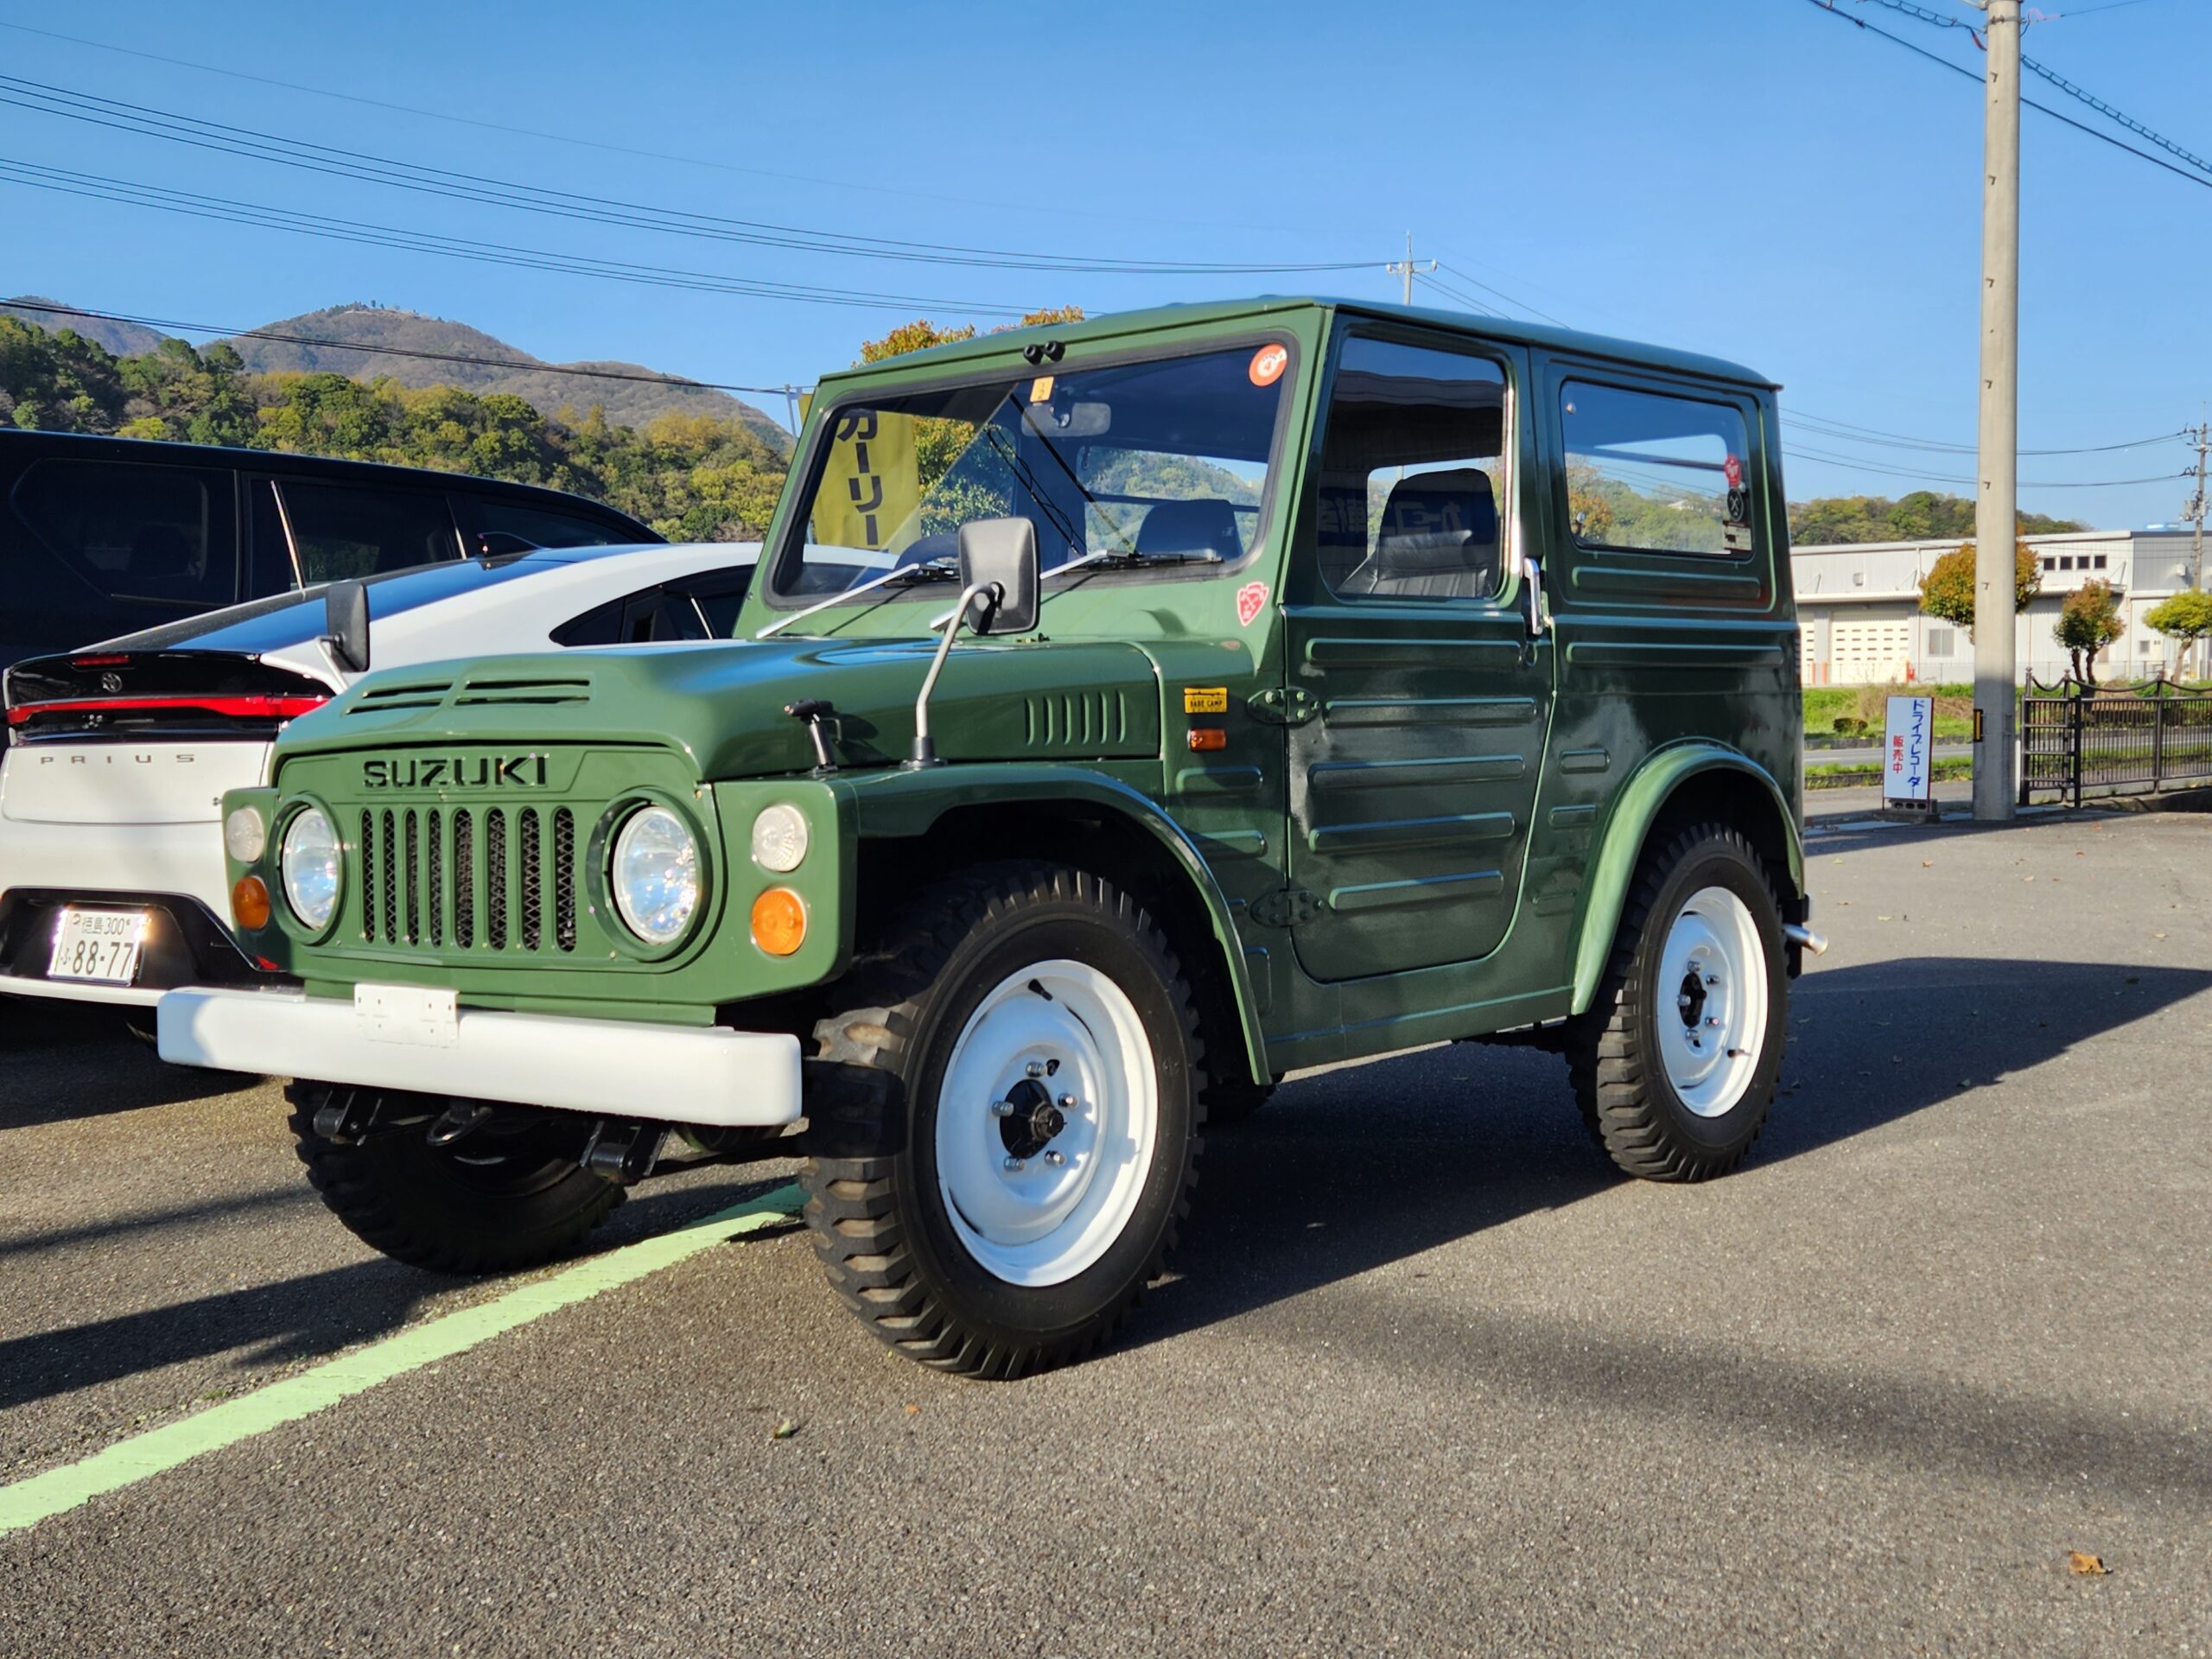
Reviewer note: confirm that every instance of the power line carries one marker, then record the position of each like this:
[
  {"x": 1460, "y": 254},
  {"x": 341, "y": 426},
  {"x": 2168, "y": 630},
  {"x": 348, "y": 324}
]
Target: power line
[
  {"x": 674, "y": 382},
  {"x": 1500, "y": 294},
  {"x": 1945, "y": 478},
  {"x": 146, "y": 121},
  {"x": 100, "y": 187},
  {"x": 1846, "y": 431},
  {"x": 1829, "y": 7}
]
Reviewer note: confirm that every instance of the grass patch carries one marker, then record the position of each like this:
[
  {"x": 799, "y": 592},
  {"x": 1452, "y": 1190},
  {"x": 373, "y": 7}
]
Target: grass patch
[{"x": 1842, "y": 775}]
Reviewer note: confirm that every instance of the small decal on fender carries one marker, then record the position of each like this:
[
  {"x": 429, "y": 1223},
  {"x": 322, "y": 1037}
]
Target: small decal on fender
[
  {"x": 1205, "y": 699},
  {"x": 1251, "y": 599}
]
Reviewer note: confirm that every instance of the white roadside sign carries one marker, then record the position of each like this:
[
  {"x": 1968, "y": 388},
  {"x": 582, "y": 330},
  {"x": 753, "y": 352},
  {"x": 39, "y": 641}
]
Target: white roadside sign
[{"x": 1909, "y": 750}]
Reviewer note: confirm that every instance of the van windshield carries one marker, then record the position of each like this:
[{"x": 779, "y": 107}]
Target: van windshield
[{"x": 1158, "y": 463}]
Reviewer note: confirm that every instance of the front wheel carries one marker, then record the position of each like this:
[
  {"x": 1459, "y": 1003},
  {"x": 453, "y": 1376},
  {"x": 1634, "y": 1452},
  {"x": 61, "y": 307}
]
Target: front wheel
[
  {"x": 1675, "y": 1062},
  {"x": 498, "y": 1200},
  {"x": 1007, "y": 1103}
]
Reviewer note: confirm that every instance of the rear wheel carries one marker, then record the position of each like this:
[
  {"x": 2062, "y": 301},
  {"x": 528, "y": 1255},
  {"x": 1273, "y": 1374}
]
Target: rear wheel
[
  {"x": 1675, "y": 1063},
  {"x": 496, "y": 1200},
  {"x": 1007, "y": 1106}
]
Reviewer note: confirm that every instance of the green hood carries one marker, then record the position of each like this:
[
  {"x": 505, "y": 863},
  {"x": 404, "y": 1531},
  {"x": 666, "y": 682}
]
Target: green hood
[{"x": 721, "y": 705}]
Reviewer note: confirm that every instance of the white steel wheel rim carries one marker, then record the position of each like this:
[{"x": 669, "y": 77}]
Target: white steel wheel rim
[
  {"x": 1711, "y": 1000},
  {"x": 1041, "y": 1209}
]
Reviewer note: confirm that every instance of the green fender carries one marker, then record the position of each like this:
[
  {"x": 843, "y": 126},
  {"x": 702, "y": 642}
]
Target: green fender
[
  {"x": 1605, "y": 891},
  {"x": 904, "y": 803}
]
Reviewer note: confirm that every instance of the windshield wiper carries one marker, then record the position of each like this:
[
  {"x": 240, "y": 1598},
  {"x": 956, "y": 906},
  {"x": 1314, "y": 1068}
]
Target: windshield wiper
[
  {"x": 1129, "y": 559},
  {"x": 943, "y": 568}
]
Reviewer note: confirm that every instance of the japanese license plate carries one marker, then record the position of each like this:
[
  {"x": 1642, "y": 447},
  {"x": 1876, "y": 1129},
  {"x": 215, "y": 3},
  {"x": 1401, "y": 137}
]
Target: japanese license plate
[{"x": 101, "y": 946}]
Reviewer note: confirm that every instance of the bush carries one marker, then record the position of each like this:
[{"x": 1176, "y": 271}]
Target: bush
[{"x": 1849, "y": 726}]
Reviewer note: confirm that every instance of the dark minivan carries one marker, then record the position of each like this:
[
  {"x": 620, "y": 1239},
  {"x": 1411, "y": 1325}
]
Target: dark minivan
[{"x": 101, "y": 536}]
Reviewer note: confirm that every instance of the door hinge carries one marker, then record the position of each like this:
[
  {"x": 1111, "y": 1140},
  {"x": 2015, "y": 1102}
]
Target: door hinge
[
  {"x": 1283, "y": 705},
  {"x": 1286, "y": 907}
]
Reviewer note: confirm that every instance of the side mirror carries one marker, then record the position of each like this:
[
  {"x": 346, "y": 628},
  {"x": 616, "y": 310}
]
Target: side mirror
[
  {"x": 346, "y": 624},
  {"x": 1000, "y": 556}
]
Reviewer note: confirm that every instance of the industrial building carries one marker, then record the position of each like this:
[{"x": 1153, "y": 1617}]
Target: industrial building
[{"x": 1859, "y": 621}]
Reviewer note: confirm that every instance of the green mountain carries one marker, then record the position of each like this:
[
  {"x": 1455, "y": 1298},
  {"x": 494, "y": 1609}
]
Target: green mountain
[
  {"x": 124, "y": 338},
  {"x": 628, "y": 402}
]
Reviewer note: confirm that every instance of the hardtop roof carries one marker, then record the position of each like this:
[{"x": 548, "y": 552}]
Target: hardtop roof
[{"x": 1116, "y": 323}]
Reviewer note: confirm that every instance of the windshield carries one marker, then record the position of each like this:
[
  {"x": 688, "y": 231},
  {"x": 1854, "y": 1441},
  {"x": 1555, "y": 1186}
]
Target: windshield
[{"x": 1162, "y": 462}]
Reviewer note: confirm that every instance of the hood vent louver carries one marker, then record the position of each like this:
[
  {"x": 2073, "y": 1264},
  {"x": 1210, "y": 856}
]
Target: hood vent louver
[{"x": 479, "y": 690}]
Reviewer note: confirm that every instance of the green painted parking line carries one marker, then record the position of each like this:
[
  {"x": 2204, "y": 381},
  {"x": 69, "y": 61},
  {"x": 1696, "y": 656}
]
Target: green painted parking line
[{"x": 28, "y": 1501}]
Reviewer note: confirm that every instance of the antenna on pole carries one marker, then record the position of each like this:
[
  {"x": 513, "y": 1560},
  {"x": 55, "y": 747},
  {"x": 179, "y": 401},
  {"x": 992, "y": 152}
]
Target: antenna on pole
[{"x": 1407, "y": 269}]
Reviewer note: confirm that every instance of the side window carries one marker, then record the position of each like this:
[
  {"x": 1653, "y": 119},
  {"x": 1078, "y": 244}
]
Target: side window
[
  {"x": 1654, "y": 473},
  {"x": 703, "y": 607},
  {"x": 539, "y": 526},
  {"x": 1412, "y": 474},
  {"x": 344, "y": 532},
  {"x": 157, "y": 533}
]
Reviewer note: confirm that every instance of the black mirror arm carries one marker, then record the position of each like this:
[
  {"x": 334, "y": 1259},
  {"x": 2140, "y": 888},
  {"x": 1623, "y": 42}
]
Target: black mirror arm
[{"x": 925, "y": 751}]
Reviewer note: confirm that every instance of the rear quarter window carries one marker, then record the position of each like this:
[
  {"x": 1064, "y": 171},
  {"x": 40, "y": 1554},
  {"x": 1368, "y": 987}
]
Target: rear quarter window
[
  {"x": 1655, "y": 472},
  {"x": 344, "y": 532},
  {"x": 136, "y": 531}
]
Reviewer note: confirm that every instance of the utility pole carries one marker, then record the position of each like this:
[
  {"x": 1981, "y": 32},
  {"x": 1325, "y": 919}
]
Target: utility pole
[
  {"x": 1407, "y": 269},
  {"x": 2193, "y": 509},
  {"x": 1995, "y": 520}
]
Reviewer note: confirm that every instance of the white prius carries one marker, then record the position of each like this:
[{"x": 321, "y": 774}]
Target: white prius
[{"x": 111, "y": 879}]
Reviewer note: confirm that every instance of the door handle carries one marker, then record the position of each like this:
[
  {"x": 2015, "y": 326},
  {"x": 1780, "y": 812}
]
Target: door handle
[{"x": 1536, "y": 623}]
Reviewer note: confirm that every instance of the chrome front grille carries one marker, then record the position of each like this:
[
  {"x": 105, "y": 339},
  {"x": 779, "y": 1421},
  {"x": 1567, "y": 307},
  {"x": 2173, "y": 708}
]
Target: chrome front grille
[{"x": 427, "y": 876}]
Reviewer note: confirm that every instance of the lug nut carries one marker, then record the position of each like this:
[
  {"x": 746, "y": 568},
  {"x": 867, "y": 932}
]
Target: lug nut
[
  {"x": 1069, "y": 1102},
  {"x": 1056, "y": 1159},
  {"x": 1014, "y": 1166},
  {"x": 1001, "y": 1109},
  {"x": 1034, "y": 1068}
]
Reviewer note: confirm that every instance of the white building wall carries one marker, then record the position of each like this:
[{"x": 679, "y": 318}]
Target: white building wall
[{"x": 1859, "y": 608}]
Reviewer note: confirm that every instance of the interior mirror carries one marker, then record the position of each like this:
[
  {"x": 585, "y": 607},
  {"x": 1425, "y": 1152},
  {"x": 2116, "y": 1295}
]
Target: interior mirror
[
  {"x": 1072, "y": 419},
  {"x": 1000, "y": 554},
  {"x": 346, "y": 624}
]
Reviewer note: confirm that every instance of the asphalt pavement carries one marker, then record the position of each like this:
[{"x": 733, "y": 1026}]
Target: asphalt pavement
[{"x": 1429, "y": 1380}]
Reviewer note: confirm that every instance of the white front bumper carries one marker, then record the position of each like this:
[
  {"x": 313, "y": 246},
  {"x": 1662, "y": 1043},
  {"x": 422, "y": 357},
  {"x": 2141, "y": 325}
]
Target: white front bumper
[{"x": 609, "y": 1068}]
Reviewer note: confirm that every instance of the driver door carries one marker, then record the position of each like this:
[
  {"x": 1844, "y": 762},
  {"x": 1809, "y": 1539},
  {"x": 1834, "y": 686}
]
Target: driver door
[{"x": 1413, "y": 770}]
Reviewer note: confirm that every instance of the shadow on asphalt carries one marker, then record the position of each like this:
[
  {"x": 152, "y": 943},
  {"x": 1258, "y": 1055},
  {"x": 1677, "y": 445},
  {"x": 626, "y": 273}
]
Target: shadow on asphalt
[
  {"x": 60, "y": 1061},
  {"x": 1339, "y": 1174},
  {"x": 304, "y": 1318},
  {"x": 1358, "y": 1168}
]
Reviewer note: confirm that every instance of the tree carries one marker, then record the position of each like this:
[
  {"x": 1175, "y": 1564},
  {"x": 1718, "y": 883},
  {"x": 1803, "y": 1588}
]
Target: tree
[
  {"x": 2088, "y": 622},
  {"x": 2186, "y": 617},
  {"x": 1946, "y": 591}
]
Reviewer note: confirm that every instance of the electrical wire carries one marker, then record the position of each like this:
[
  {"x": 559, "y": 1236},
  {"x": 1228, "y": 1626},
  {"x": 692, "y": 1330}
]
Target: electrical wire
[
  {"x": 1944, "y": 478},
  {"x": 100, "y": 187},
  {"x": 1829, "y": 7},
  {"x": 146, "y": 121},
  {"x": 1848, "y": 433},
  {"x": 1500, "y": 293},
  {"x": 674, "y": 382}
]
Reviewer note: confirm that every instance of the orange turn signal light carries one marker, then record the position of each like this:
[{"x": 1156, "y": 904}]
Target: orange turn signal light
[
  {"x": 779, "y": 921},
  {"x": 1206, "y": 739},
  {"x": 249, "y": 903}
]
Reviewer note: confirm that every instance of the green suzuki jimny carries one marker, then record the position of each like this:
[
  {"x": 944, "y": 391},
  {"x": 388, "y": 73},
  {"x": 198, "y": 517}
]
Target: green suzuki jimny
[{"x": 1127, "y": 714}]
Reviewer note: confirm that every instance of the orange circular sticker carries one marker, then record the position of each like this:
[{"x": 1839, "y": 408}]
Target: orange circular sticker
[{"x": 1267, "y": 365}]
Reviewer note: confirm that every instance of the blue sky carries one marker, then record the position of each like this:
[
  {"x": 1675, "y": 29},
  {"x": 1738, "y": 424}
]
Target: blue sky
[{"x": 1746, "y": 177}]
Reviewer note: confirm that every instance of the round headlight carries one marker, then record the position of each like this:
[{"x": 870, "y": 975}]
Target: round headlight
[
  {"x": 310, "y": 867},
  {"x": 244, "y": 835},
  {"x": 655, "y": 874},
  {"x": 779, "y": 838}
]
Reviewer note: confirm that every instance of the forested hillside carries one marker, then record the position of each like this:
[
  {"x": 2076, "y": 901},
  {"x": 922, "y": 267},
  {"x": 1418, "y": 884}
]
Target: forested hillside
[
  {"x": 1922, "y": 515},
  {"x": 692, "y": 477}
]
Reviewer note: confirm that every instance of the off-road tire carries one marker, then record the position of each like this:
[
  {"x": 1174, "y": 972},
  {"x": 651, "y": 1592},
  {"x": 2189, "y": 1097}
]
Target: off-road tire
[
  {"x": 878, "y": 1216},
  {"x": 1629, "y": 1104},
  {"x": 424, "y": 1205}
]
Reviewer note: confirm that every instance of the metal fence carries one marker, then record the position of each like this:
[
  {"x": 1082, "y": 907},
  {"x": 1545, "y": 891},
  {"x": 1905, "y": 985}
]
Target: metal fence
[{"x": 2105, "y": 743}]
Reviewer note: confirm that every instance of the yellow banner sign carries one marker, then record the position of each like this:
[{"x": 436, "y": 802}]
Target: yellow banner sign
[{"x": 870, "y": 486}]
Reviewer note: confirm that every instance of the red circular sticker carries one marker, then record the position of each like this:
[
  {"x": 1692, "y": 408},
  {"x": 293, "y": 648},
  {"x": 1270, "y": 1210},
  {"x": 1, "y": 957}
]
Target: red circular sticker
[
  {"x": 1732, "y": 470},
  {"x": 1267, "y": 365}
]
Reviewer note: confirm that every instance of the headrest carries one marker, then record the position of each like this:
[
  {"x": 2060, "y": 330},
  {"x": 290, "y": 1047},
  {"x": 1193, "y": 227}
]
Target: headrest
[
  {"x": 1195, "y": 528},
  {"x": 1437, "y": 522}
]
